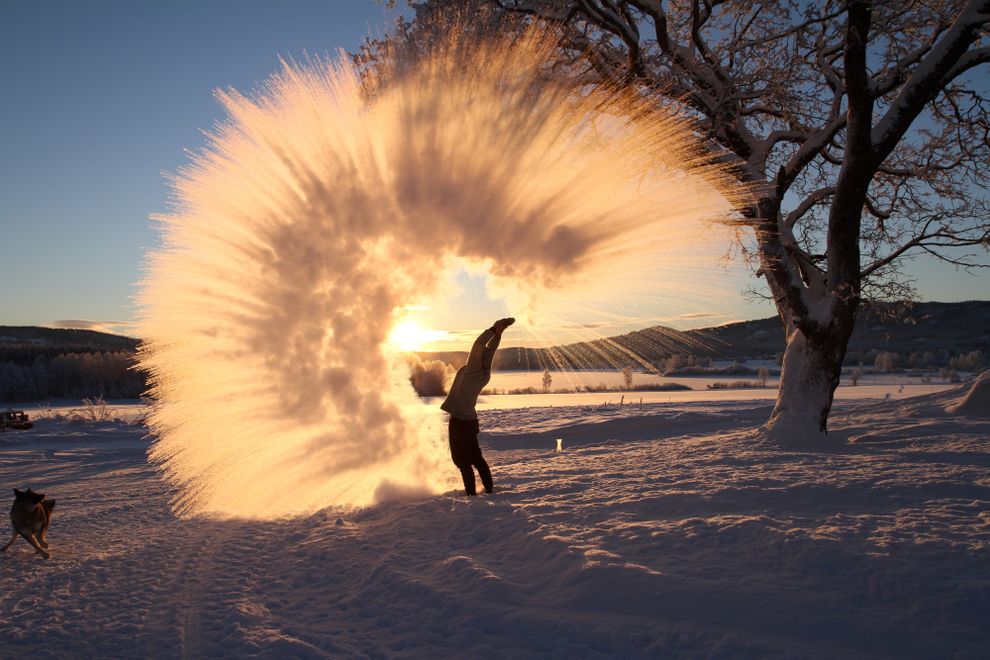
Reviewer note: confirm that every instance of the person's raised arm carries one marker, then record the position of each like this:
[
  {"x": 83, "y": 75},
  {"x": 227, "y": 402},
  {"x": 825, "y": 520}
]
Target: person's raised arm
[
  {"x": 483, "y": 351},
  {"x": 476, "y": 358},
  {"x": 488, "y": 355}
]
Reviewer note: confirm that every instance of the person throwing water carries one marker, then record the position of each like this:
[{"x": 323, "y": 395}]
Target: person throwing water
[{"x": 460, "y": 405}]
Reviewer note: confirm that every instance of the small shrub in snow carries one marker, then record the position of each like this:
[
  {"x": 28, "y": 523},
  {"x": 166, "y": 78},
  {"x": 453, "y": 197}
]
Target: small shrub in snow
[
  {"x": 660, "y": 387},
  {"x": 734, "y": 385},
  {"x": 94, "y": 410},
  {"x": 950, "y": 375},
  {"x": 45, "y": 412}
]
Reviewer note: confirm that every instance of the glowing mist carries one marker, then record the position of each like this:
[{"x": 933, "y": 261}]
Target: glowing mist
[{"x": 318, "y": 212}]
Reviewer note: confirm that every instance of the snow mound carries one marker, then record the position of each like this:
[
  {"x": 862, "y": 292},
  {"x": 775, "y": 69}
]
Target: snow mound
[{"x": 977, "y": 400}]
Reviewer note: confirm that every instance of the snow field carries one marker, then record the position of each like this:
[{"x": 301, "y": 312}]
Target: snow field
[{"x": 670, "y": 531}]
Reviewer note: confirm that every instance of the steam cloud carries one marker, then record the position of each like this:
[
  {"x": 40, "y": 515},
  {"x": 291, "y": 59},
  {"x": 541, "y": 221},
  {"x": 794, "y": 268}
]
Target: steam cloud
[{"x": 318, "y": 211}]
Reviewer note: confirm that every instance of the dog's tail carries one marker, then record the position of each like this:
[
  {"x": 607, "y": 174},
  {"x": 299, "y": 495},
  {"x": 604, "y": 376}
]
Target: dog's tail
[{"x": 48, "y": 506}]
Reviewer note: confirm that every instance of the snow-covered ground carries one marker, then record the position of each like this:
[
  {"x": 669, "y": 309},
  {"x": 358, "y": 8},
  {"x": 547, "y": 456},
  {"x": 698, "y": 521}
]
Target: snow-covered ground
[{"x": 669, "y": 530}]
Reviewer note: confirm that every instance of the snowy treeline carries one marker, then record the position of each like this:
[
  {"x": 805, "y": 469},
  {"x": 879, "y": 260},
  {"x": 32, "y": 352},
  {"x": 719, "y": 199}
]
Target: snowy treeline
[
  {"x": 683, "y": 365},
  {"x": 108, "y": 374},
  {"x": 892, "y": 360}
]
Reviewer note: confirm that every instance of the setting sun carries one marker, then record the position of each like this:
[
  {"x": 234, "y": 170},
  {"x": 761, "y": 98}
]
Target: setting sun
[{"x": 409, "y": 335}]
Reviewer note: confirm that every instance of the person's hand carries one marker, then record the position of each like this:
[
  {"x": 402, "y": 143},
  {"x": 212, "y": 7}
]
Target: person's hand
[{"x": 500, "y": 325}]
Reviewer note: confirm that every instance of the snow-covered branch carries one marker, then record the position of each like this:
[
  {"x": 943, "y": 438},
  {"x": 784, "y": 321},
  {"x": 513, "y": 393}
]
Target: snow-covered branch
[
  {"x": 808, "y": 203},
  {"x": 811, "y": 148},
  {"x": 930, "y": 76},
  {"x": 972, "y": 58}
]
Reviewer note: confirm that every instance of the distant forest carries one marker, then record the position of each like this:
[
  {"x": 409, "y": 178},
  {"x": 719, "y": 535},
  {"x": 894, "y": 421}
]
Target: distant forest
[{"x": 42, "y": 363}]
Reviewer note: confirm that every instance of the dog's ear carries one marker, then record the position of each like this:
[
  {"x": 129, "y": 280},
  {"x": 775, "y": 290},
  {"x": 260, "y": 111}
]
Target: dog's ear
[
  {"x": 37, "y": 497},
  {"x": 19, "y": 494}
]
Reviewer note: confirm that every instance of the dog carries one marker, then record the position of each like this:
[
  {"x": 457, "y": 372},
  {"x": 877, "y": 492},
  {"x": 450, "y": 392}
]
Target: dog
[{"x": 30, "y": 514}]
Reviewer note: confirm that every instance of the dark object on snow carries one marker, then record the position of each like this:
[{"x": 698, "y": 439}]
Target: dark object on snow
[
  {"x": 466, "y": 454},
  {"x": 14, "y": 420},
  {"x": 30, "y": 514}
]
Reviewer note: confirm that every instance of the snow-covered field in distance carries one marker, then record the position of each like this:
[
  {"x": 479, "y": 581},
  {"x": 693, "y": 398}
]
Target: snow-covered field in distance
[
  {"x": 700, "y": 394},
  {"x": 509, "y": 380},
  {"x": 670, "y": 530}
]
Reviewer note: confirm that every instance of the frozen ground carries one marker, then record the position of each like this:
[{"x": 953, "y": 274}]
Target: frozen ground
[{"x": 668, "y": 531}]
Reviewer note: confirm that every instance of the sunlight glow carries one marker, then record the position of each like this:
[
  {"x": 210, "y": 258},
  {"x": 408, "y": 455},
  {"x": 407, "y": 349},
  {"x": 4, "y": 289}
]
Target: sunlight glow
[{"x": 408, "y": 335}]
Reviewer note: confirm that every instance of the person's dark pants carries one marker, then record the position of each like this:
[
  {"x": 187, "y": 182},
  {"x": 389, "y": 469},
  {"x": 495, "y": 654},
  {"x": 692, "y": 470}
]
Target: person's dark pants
[{"x": 466, "y": 454}]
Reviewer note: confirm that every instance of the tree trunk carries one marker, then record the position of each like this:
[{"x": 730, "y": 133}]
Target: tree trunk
[
  {"x": 820, "y": 317},
  {"x": 808, "y": 378}
]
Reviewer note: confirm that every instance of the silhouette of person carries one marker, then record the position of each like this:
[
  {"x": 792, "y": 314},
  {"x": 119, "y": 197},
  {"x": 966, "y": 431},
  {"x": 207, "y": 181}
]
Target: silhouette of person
[{"x": 460, "y": 405}]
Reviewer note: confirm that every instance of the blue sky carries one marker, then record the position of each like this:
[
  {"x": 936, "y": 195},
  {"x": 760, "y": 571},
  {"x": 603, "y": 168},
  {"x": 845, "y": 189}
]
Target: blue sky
[{"x": 100, "y": 98}]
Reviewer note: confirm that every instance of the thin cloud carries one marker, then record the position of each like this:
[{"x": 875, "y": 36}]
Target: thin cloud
[
  {"x": 457, "y": 335},
  {"x": 695, "y": 315},
  {"x": 590, "y": 326}
]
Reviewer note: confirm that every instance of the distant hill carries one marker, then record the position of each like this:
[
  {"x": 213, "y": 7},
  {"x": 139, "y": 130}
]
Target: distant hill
[
  {"x": 948, "y": 328},
  {"x": 70, "y": 338},
  {"x": 953, "y": 327}
]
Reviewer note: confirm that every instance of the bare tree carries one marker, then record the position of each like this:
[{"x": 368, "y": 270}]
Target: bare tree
[
  {"x": 884, "y": 362},
  {"x": 547, "y": 380},
  {"x": 860, "y": 124},
  {"x": 627, "y": 377}
]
